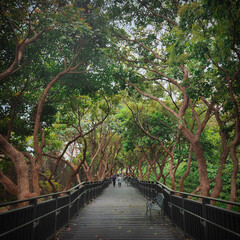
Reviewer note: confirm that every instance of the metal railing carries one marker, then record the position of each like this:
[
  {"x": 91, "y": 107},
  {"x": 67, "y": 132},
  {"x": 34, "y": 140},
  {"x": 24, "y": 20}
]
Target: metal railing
[
  {"x": 198, "y": 219},
  {"x": 42, "y": 220}
]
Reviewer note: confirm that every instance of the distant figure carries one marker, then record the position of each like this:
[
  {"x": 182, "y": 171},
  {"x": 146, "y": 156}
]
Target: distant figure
[
  {"x": 120, "y": 179},
  {"x": 114, "y": 180}
]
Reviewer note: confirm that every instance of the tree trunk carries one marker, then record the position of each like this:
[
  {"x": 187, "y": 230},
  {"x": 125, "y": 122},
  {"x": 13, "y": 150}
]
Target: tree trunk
[
  {"x": 70, "y": 180},
  {"x": 35, "y": 181},
  {"x": 202, "y": 168},
  {"x": 140, "y": 169},
  {"x": 199, "y": 155},
  {"x": 172, "y": 173},
  {"x": 8, "y": 184},
  {"x": 149, "y": 172},
  {"x": 218, "y": 181},
  {"x": 188, "y": 169},
  {"x": 23, "y": 190},
  {"x": 88, "y": 175},
  {"x": 233, "y": 193}
]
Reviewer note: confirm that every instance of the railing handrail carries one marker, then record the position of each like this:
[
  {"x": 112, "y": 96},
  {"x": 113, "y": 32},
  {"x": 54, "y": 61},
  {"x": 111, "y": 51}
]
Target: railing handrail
[
  {"x": 200, "y": 196},
  {"x": 193, "y": 195},
  {"x": 47, "y": 195}
]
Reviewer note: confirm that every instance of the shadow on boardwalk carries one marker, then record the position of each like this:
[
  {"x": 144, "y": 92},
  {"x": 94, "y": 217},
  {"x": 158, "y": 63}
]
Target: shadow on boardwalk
[{"x": 119, "y": 213}]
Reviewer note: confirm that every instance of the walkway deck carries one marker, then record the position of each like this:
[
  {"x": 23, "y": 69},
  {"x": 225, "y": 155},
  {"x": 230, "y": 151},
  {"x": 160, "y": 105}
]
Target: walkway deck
[{"x": 119, "y": 213}]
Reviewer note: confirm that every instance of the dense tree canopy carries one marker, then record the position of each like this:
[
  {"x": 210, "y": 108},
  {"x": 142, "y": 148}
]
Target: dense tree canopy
[{"x": 92, "y": 88}]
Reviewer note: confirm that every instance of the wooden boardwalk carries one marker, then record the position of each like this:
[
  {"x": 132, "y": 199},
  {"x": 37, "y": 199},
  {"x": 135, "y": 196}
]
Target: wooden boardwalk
[{"x": 119, "y": 213}]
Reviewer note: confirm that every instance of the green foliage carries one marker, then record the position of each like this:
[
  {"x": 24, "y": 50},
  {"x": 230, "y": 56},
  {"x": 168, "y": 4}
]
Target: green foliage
[
  {"x": 162, "y": 126},
  {"x": 47, "y": 188}
]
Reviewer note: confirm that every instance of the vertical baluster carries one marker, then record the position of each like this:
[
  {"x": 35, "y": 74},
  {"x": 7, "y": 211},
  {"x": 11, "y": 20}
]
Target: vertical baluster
[
  {"x": 184, "y": 196},
  {"x": 34, "y": 216},
  {"x": 55, "y": 197},
  {"x": 204, "y": 214}
]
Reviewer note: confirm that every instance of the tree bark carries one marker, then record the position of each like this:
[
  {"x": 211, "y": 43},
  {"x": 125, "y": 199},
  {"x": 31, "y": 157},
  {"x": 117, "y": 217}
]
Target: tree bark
[
  {"x": 201, "y": 161},
  {"x": 8, "y": 184},
  {"x": 222, "y": 161},
  {"x": 202, "y": 168},
  {"x": 188, "y": 169},
  {"x": 23, "y": 190}
]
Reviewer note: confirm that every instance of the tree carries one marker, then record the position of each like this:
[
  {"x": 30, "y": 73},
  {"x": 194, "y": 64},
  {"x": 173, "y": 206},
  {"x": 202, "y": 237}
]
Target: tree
[
  {"x": 85, "y": 117},
  {"x": 152, "y": 134},
  {"x": 217, "y": 29},
  {"x": 72, "y": 46},
  {"x": 166, "y": 46}
]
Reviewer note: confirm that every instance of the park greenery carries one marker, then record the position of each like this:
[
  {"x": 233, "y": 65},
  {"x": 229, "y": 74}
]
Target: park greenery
[{"x": 91, "y": 88}]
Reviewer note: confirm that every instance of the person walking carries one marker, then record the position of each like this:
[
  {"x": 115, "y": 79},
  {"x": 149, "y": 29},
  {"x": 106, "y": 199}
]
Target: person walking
[
  {"x": 114, "y": 180},
  {"x": 120, "y": 179}
]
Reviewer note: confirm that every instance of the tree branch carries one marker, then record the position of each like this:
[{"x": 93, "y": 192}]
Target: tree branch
[
  {"x": 8, "y": 184},
  {"x": 158, "y": 15}
]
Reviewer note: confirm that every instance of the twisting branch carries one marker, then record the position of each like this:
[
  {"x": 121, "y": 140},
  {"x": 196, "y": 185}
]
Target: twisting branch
[
  {"x": 64, "y": 57},
  {"x": 234, "y": 23},
  {"x": 80, "y": 135},
  {"x": 195, "y": 114},
  {"x": 49, "y": 181},
  {"x": 8, "y": 184},
  {"x": 176, "y": 4},
  {"x": 21, "y": 44},
  {"x": 146, "y": 132},
  {"x": 142, "y": 45},
  {"x": 183, "y": 177},
  {"x": 157, "y": 14},
  {"x": 170, "y": 94},
  {"x": 156, "y": 99}
]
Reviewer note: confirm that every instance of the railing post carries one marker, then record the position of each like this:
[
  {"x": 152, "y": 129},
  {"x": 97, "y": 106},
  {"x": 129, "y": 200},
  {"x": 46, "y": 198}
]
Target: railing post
[
  {"x": 155, "y": 189},
  {"x": 95, "y": 189},
  {"x": 85, "y": 193},
  {"x": 204, "y": 214},
  {"x": 184, "y": 196},
  {"x": 56, "y": 214},
  {"x": 89, "y": 192},
  {"x": 34, "y": 216},
  {"x": 165, "y": 204},
  {"x": 98, "y": 189},
  {"x": 69, "y": 205},
  {"x": 78, "y": 198},
  {"x": 170, "y": 205},
  {"x": 148, "y": 192}
]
